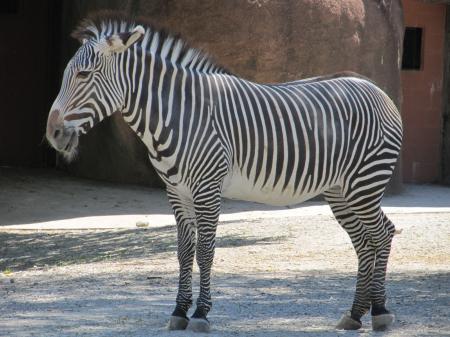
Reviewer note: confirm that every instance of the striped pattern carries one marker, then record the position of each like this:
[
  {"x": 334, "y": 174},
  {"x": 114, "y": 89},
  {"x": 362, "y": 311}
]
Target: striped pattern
[{"x": 211, "y": 134}]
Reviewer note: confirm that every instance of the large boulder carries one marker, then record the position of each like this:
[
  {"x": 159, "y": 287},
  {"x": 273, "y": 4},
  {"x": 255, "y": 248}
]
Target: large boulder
[{"x": 261, "y": 40}]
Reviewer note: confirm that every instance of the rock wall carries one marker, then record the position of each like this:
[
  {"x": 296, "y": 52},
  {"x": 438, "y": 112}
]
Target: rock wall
[{"x": 261, "y": 40}]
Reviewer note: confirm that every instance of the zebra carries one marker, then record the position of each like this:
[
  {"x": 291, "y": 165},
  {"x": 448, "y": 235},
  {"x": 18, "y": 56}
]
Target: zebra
[{"x": 211, "y": 134}]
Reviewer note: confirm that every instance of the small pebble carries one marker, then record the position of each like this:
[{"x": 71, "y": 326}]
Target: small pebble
[{"x": 142, "y": 224}]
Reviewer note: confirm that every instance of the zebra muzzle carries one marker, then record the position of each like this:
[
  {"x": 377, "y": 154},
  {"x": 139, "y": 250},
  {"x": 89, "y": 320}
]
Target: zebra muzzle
[
  {"x": 61, "y": 138},
  {"x": 72, "y": 142}
]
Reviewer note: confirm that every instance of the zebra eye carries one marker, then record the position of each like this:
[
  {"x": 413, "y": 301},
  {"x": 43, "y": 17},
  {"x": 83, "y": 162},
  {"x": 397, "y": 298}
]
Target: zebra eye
[{"x": 83, "y": 74}]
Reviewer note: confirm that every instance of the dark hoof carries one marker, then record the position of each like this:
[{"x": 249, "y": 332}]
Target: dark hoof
[
  {"x": 199, "y": 325},
  {"x": 382, "y": 322},
  {"x": 348, "y": 323},
  {"x": 178, "y": 323}
]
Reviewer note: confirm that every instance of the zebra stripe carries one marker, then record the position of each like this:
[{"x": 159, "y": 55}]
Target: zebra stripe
[{"x": 210, "y": 134}]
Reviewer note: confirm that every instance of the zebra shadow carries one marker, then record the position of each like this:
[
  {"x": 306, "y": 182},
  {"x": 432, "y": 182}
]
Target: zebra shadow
[
  {"x": 257, "y": 304},
  {"x": 21, "y": 250}
]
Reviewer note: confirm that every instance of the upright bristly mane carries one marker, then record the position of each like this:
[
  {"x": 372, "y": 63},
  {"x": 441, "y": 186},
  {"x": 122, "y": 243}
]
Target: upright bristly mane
[{"x": 160, "y": 42}]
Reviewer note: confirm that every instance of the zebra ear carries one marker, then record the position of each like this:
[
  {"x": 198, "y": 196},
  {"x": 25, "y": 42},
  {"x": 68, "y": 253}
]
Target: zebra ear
[{"x": 121, "y": 41}]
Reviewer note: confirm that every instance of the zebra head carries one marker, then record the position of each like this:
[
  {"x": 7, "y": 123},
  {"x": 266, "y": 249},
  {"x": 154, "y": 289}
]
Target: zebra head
[{"x": 92, "y": 87}]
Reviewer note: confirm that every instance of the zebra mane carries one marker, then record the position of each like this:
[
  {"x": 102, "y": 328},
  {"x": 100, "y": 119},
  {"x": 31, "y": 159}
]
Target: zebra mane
[{"x": 167, "y": 45}]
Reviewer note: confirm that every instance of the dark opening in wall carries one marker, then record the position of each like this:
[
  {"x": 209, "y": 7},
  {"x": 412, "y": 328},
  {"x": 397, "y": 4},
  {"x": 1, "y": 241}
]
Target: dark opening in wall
[
  {"x": 9, "y": 6},
  {"x": 412, "y": 49}
]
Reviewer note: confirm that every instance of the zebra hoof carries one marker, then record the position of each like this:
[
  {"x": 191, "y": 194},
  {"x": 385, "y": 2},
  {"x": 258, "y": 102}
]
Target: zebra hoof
[
  {"x": 199, "y": 325},
  {"x": 382, "y": 322},
  {"x": 178, "y": 323},
  {"x": 348, "y": 323}
]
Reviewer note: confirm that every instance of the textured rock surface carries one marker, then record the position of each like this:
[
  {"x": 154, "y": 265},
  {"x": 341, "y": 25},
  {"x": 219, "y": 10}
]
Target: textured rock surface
[{"x": 266, "y": 41}]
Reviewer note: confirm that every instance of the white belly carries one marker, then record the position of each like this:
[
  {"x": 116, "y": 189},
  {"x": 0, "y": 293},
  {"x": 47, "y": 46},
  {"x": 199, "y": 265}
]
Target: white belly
[{"x": 238, "y": 186}]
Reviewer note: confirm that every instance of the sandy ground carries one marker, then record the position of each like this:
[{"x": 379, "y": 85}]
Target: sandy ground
[{"x": 279, "y": 272}]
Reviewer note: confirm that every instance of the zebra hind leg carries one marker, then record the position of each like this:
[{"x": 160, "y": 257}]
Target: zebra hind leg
[
  {"x": 381, "y": 317},
  {"x": 366, "y": 257},
  {"x": 367, "y": 208}
]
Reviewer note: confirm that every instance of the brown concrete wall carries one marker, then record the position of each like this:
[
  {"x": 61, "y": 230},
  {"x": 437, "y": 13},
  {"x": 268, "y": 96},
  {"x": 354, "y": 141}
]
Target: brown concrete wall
[
  {"x": 422, "y": 95},
  {"x": 275, "y": 41},
  {"x": 281, "y": 41}
]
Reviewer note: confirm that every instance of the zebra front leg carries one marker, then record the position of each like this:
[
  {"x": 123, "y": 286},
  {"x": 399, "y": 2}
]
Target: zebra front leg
[
  {"x": 207, "y": 218},
  {"x": 186, "y": 249},
  {"x": 205, "y": 256}
]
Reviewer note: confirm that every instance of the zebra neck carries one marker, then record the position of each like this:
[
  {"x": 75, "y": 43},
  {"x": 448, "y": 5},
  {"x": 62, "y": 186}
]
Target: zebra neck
[{"x": 165, "y": 102}]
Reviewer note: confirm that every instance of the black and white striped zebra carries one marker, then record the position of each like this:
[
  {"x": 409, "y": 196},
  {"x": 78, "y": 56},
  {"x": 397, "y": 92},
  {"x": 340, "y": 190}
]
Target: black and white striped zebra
[{"x": 211, "y": 134}]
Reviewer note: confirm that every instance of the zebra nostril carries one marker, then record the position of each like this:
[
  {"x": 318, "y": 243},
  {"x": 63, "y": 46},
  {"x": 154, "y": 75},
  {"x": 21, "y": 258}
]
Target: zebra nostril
[{"x": 56, "y": 133}]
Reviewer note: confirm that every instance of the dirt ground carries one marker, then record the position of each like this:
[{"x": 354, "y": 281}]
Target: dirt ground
[{"x": 278, "y": 275}]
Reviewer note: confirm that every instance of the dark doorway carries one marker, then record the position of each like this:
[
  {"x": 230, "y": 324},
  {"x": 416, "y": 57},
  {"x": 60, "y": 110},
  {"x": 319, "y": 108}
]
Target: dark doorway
[
  {"x": 445, "y": 168},
  {"x": 412, "y": 49},
  {"x": 28, "y": 79}
]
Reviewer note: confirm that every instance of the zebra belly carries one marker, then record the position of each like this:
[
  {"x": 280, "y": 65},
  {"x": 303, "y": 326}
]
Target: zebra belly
[{"x": 239, "y": 187}]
